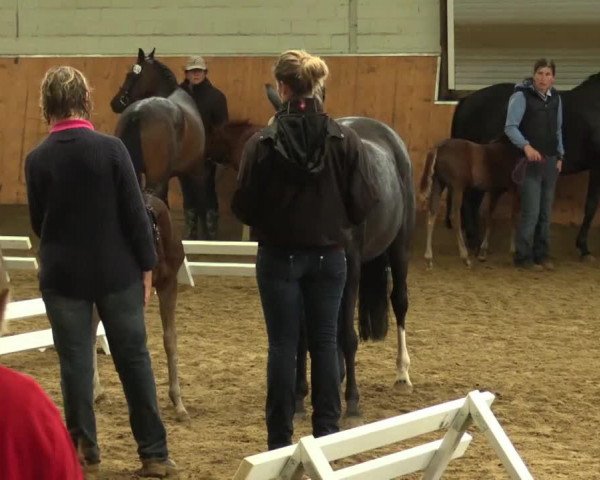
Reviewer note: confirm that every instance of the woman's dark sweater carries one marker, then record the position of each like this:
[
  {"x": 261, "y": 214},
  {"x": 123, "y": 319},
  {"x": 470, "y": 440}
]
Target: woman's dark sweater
[{"x": 86, "y": 206}]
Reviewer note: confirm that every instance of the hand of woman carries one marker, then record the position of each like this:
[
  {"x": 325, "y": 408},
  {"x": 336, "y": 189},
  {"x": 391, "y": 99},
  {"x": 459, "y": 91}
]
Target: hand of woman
[
  {"x": 147, "y": 279},
  {"x": 559, "y": 165},
  {"x": 532, "y": 154}
]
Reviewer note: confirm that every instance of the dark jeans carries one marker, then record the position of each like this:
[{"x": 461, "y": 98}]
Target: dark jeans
[
  {"x": 296, "y": 286},
  {"x": 532, "y": 240},
  {"x": 123, "y": 317},
  {"x": 210, "y": 189}
]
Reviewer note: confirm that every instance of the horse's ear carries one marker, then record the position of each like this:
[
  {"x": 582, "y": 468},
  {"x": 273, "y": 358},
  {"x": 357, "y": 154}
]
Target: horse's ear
[
  {"x": 151, "y": 56},
  {"x": 141, "y": 55},
  {"x": 273, "y": 96}
]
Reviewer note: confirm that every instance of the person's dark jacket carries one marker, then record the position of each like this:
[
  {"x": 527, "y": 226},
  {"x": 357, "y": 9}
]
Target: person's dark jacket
[
  {"x": 211, "y": 103},
  {"x": 86, "y": 206},
  {"x": 304, "y": 180}
]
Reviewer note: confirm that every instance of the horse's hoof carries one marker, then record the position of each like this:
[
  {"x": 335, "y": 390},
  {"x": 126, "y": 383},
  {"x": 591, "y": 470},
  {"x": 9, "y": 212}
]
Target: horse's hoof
[
  {"x": 482, "y": 257},
  {"x": 99, "y": 393},
  {"x": 403, "y": 386},
  {"x": 351, "y": 422},
  {"x": 300, "y": 416},
  {"x": 467, "y": 262},
  {"x": 99, "y": 396},
  {"x": 352, "y": 409},
  {"x": 588, "y": 258},
  {"x": 429, "y": 263},
  {"x": 181, "y": 415}
]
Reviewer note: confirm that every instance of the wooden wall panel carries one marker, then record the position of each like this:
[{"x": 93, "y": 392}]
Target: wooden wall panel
[{"x": 398, "y": 90}]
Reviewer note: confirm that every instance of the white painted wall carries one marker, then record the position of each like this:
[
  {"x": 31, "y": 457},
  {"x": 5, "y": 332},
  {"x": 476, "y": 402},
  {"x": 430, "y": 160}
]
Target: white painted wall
[{"x": 222, "y": 27}]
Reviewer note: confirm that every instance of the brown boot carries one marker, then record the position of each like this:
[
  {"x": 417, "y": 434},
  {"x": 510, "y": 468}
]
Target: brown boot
[
  {"x": 156, "y": 468},
  {"x": 90, "y": 471}
]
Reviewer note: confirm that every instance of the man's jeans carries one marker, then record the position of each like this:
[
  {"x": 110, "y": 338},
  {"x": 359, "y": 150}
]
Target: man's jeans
[
  {"x": 295, "y": 286},
  {"x": 532, "y": 240},
  {"x": 122, "y": 314}
]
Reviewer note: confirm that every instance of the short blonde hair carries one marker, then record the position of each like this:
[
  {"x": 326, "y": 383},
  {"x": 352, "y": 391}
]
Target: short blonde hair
[
  {"x": 302, "y": 72},
  {"x": 65, "y": 93}
]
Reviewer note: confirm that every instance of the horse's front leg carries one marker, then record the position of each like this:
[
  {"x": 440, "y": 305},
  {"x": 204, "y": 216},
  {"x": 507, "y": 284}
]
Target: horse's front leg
[
  {"x": 301, "y": 380},
  {"x": 456, "y": 204},
  {"x": 514, "y": 218},
  {"x": 489, "y": 215},
  {"x": 98, "y": 390},
  {"x": 347, "y": 334},
  {"x": 432, "y": 211},
  {"x": 591, "y": 205},
  {"x": 167, "y": 299},
  {"x": 398, "y": 254}
]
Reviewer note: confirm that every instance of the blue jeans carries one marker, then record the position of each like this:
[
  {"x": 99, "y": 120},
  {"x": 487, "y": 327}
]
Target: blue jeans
[
  {"x": 295, "y": 286},
  {"x": 532, "y": 240},
  {"x": 122, "y": 314}
]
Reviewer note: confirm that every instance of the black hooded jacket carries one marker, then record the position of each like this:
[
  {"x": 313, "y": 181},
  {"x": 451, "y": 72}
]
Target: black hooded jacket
[{"x": 304, "y": 180}]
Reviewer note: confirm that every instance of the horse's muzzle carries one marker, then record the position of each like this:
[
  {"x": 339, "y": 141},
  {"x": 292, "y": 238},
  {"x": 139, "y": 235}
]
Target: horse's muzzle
[{"x": 119, "y": 103}]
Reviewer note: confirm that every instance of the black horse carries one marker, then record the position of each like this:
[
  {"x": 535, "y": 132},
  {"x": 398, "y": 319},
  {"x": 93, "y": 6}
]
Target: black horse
[
  {"x": 162, "y": 130},
  {"x": 383, "y": 240},
  {"x": 480, "y": 117}
]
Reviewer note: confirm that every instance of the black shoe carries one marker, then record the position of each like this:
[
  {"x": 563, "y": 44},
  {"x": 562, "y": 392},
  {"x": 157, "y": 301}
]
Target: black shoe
[{"x": 534, "y": 267}]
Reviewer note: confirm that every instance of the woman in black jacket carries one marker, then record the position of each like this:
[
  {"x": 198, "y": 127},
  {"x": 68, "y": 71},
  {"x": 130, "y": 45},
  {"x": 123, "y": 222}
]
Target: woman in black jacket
[{"x": 302, "y": 185}]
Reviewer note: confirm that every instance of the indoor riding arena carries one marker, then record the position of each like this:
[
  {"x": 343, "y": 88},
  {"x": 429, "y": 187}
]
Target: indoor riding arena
[{"x": 529, "y": 337}]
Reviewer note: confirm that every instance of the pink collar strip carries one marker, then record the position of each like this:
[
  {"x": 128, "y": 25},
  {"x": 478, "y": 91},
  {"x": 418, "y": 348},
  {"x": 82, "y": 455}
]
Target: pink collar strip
[{"x": 69, "y": 124}]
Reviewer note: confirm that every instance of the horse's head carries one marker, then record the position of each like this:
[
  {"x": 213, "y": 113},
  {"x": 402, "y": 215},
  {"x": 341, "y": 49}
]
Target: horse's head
[
  {"x": 226, "y": 143},
  {"x": 147, "y": 77}
]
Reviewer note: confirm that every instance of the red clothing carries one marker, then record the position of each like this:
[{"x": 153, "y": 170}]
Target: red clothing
[
  {"x": 34, "y": 443},
  {"x": 70, "y": 124}
]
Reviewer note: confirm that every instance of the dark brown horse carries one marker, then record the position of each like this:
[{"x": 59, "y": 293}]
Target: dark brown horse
[
  {"x": 226, "y": 143},
  {"x": 460, "y": 165},
  {"x": 162, "y": 129},
  {"x": 170, "y": 254}
]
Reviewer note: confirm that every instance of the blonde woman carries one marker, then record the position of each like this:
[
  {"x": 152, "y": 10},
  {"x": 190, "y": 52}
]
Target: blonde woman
[
  {"x": 300, "y": 188},
  {"x": 96, "y": 247}
]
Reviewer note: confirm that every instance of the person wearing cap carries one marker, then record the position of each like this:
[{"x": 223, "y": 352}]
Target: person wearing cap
[{"x": 212, "y": 105}]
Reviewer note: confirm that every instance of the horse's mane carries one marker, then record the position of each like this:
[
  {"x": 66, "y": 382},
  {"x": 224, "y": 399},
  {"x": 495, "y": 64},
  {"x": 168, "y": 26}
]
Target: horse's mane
[
  {"x": 594, "y": 78},
  {"x": 166, "y": 73}
]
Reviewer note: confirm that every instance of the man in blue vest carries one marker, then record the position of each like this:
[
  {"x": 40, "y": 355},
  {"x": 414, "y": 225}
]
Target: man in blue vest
[{"x": 534, "y": 125}]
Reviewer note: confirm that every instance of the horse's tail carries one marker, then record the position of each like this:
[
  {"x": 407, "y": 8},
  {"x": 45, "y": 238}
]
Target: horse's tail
[
  {"x": 372, "y": 299},
  {"x": 128, "y": 130},
  {"x": 427, "y": 176}
]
